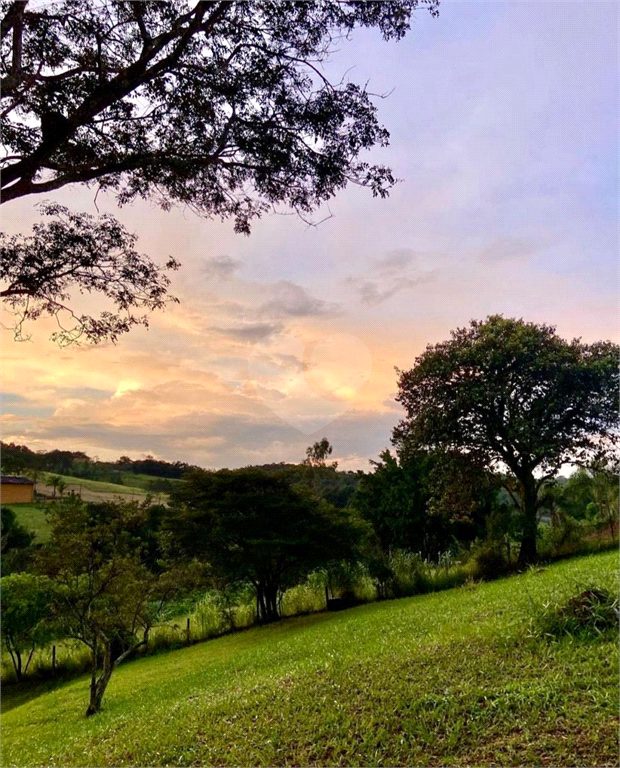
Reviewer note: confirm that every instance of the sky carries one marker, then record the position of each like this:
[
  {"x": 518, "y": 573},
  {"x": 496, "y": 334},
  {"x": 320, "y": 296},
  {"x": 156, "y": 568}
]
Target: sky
[{"x": 503, "y": 117}]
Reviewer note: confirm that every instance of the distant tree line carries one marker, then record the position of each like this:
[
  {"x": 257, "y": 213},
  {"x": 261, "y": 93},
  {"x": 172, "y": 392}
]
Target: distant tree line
[
  {"x": 17, "y": 459},
  {"x": 336, "y": 487}
]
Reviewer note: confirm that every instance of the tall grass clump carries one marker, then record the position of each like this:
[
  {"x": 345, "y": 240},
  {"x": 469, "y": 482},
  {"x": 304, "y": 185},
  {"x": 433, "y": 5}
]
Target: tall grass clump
[
  {"x": 592, "y": 612},
  {"x": 71, "y": 658},
  {"x": 308, "y": 597},
  {"x": 415, "y": 575},
  {"x": 573, "y": 537}
]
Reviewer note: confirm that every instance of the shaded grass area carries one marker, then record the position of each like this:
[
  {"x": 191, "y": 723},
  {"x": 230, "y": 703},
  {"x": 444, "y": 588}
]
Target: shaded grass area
[
  {"x": 33, "y": 518},
  {"x": 450, "y": 678}
]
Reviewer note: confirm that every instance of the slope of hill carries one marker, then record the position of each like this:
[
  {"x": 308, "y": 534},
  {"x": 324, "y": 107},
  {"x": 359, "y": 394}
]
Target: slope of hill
[
  {"x": 449, "y": 678},
  {"x": 91, "y": 490}
]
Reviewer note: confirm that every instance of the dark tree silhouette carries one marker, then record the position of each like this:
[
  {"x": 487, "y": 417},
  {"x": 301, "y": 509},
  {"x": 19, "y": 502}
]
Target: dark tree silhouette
[
  {"x": 77, "y": 251},
  {"x": 223, "y": 106},
  {"x": 220, "y": 106},
  {"x": 251, "y": 526}
]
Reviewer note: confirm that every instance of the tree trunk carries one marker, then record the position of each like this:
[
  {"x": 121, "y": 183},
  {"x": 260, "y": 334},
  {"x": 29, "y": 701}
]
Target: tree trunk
[
  {"x": 98, "y": 684},
  {"x": 527, "y": 553},
  {"x": 30, "y": 655},
  {"x": 267, "y": 603},
  {"x": 611, "y": 515},
  {"x": 273, "y": 614},
  {"x": 16, "y": 658}
]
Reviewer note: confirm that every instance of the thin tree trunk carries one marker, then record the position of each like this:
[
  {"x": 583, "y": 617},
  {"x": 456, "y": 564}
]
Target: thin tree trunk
[
  {"x": 261, "y": 611},
  {"x": 267, "y": 602},
  {"x": 16, "y": 658},
  {"x": 611, "y": 516},
  {"x": 271, "y": 595},
  {"x": 93, "y": 682},
  {"x": 99, "y": 684},
  {"x": 29, "y": 658}
]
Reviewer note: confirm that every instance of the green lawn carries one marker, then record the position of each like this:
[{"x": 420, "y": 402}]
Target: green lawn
[
  {"x": 448, "y": 679},
  {"x": 32, "y": 517}
]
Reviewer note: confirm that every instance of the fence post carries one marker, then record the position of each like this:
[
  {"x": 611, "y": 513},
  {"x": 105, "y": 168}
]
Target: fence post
[
  {"x": 53, "y": 658},
  {"x": 187, "y": 631}
]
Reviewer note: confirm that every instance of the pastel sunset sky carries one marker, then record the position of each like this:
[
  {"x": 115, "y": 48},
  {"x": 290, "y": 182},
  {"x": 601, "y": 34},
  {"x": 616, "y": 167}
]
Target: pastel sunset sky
[{"x": 504, "y": 132}]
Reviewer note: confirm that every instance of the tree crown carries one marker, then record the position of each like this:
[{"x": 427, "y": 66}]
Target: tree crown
[
  {"x": 223, "y": 106},
  {"x": 512, "y": 392}
]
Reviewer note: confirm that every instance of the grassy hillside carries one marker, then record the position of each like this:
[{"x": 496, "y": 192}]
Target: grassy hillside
[
  {"x": 96, "y": 485},
  {"x": 146, "y": 481},
  {"x": 449, "y": 678}
]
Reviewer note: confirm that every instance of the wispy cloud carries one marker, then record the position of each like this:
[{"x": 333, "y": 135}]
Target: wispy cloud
[
  {"x": 220, "y": 267},
  {"x": 251, "y": 332},
  {"x": 291, "y": 301},
  {"x": 509, "y": 249},
  {"x": 399, "y": 271},
  {"x": 508, "y": 204}
]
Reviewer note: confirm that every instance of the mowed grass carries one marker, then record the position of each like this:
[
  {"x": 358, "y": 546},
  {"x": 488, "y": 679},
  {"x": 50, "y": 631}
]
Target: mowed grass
[
  {"x": 34, "y": 519},
  {"x": 449, "y": 678}
]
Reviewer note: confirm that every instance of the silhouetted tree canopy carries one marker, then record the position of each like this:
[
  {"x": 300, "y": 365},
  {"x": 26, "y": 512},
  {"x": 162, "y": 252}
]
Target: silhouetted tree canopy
[
  {"x": 222, "y": 106},
  {"x": 78, "y": 252}
]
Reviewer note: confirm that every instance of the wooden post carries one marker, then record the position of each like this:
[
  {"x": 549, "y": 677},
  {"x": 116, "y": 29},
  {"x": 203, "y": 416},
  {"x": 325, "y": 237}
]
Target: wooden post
[
  {"x": 187, "y": 631},
  {"x": 53, "y": 658}
]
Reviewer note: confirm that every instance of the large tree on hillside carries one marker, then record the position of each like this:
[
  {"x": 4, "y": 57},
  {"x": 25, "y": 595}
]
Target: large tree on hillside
[
  {"x": 221, "y": 106},
  {"x": 251, "y": 526},
  {"x": 515, "y": 395}
]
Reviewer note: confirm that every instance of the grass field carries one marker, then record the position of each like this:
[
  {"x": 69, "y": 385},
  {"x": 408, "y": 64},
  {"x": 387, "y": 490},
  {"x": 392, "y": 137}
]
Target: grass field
[
  {"x": 450, "y": 678},
  {"x": 32, "y": 517}
]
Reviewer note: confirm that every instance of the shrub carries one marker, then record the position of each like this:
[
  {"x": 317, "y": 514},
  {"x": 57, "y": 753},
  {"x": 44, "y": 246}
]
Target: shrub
[
  {"x": 563, "y": 538},
  {"x": 210, "y": 617},
  {"x": 414, "y": 576},
  {"x": 308, "y": 597},
  {"x": 489, "y": 562}
]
